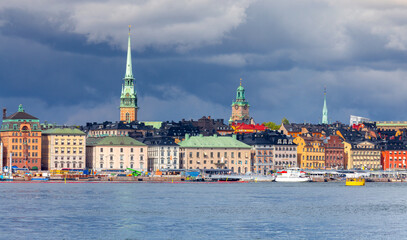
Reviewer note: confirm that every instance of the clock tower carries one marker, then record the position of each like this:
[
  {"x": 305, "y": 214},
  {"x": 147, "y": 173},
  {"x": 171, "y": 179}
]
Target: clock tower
[
  {"x": 240, "y": 107},
  {"x": 128, "y": 98}
]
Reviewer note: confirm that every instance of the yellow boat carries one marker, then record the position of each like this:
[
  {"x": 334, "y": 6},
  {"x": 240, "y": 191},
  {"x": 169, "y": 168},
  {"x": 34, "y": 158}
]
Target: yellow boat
[{"x": 355, "y": 182}]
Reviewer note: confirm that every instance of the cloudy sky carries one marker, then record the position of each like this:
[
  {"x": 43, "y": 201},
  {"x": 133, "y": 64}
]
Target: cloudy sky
[{"x": 65, "y": 60}]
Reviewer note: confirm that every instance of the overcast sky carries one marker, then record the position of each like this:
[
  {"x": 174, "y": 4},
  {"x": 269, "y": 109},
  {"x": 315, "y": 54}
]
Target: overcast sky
[{"x": 65, "y": 60}]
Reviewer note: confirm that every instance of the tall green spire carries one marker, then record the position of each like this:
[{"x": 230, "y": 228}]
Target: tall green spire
[
  {"x": 128, "y": 96},
  {"x": 129, "y": 70},
  {"x": 325, "y": 110}
]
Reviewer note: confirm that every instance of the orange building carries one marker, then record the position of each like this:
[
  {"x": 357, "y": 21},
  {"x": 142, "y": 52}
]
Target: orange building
[
  {"x": 310, "y": 152},
  {"x": 21, "y": 137}
]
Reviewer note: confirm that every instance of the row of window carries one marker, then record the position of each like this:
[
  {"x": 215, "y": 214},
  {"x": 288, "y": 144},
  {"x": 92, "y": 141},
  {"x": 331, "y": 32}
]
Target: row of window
[
  {"x": 15, "y": 134},
  {"x": 366, "y": 153},
  {"x": 314, "y": 157},
  {"x": 22, "y": 161},
  {"x": 121, "y": 165},
  {"x": 122, "y": 150},
  {"x": 67, "y": 158},
  {"x": 68, "y": 150},
  {"x": 232, "y": 162},
  {"x": 68, "y": 165},
  {"x": 313, "y": 165},
  {"x": 232, "y": 155},
  {"x": 314, "y": 149},
  {"x": 68, "y": 142},
  {"x": 19, "y": 154},
  {"x": 16, "y": 140},
  {"x": 111, "y": 157}
]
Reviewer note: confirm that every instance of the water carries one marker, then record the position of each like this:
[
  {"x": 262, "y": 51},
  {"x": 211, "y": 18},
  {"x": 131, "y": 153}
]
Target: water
[{"x": 202, "y": 211}]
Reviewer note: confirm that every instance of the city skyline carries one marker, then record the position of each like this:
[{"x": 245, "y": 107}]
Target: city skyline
[{"x": 67, "y": 67}]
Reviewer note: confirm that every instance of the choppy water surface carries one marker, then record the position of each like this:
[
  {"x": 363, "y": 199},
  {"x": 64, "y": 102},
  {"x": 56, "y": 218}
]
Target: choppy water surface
[{"x": 202, "y": 211}]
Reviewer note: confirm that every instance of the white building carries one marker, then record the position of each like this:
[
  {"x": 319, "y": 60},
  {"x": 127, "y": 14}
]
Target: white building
[
  {"x": 356, "y": 120},
  {"x": 116, "y": 153},
  {"x": 163, "y": 153}
]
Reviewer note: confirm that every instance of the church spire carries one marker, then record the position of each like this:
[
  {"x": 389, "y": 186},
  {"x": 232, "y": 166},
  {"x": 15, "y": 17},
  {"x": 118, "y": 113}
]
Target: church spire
[
  {"x": 129, "y": 70},
  {"x": 325, "y": 110}
]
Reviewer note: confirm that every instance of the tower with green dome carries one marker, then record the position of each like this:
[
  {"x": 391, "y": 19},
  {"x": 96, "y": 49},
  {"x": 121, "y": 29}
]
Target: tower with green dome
[
  {"x": 128, "y": 98},
  {"x": 240, "y": 107}
]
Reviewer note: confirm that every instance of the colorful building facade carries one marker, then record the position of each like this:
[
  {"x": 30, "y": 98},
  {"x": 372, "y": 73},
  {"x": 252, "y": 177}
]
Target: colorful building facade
[
  {"x": 20, "y": 134},
  {"x": 63, "y": 148},
  {"x": 115, "y": 153},
  {"x": 334, "y": 153},
  {"x": 128, "y": 97},
  {"x": 310, "y": 152},
  {"x": 215, "y": 152}
]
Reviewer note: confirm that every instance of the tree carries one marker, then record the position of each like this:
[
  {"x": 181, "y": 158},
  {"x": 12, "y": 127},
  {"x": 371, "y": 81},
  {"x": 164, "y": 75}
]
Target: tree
[
  {"x": 285, "y": 121},
  {"x": 272, "y": 125}
]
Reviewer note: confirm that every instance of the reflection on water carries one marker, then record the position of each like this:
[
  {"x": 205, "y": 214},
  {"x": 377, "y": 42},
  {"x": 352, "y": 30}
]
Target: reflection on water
[{"x": 202, "y": 211}]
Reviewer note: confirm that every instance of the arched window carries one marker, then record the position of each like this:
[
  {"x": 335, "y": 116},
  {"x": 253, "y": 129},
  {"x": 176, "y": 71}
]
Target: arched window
[{"x": 127, "y": 117}]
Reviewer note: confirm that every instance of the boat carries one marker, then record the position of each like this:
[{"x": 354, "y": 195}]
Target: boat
[
  {"x": 355, "y": 182},
  {"x": 292, "y": 175}
]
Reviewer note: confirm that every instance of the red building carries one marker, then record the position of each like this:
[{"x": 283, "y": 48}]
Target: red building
[
  {"x": 394, "y": 156},
  {"x": 248, "y": 128},
  {"x": 334, "y": 152}
]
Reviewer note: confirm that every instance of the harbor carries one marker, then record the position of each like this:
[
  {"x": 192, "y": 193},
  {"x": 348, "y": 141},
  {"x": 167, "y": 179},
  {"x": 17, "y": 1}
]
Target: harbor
[{"x": 212, "y": 175}]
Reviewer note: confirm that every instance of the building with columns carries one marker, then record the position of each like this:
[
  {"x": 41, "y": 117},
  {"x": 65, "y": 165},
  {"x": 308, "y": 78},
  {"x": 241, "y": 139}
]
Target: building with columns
[
  {"x": 128, "y": 97},
  {"x": 240, "y": 107}
]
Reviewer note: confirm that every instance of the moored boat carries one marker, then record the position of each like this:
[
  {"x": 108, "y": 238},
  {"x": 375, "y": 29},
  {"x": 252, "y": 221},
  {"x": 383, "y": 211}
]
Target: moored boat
[
  {"x": 355, "y": 182},
  {"x": 292, "y": 175}
]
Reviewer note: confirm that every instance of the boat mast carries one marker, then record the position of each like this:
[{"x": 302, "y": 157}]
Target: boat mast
[{"x": 9, "y": 169}]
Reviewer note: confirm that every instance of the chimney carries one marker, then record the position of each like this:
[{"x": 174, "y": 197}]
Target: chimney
[{"x": 4, "y": 113}]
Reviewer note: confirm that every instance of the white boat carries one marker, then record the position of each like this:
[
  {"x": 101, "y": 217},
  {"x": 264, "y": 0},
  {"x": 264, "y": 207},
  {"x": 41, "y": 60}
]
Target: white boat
[{"x": 292, "y": 175}]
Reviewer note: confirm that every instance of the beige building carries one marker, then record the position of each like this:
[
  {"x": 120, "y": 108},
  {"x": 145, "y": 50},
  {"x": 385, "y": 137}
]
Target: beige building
[
  {"x": 63, "y": 148},
  {"x": 363, "y": 155},
  {"x": 116, "y": 153},
  {"x": 215, "y": 152}
]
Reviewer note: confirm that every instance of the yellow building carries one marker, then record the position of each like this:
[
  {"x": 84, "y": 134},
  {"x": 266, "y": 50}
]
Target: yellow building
[
  {"x": 63, "y": 148},
  {"x": 310, "y": 152},
  {"x": 362, "y": 155}
]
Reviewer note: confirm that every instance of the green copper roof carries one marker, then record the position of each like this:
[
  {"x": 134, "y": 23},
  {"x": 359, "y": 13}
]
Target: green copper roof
[
  {"x": 63, "y": 131},
  {"x": 113, "y": 141},
  {"x": 156, "y": 125},
  {"x": 212, "y": 142}
]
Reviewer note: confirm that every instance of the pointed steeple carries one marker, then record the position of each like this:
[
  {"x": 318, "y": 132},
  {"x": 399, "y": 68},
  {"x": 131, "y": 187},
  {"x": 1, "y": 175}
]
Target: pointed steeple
[
  {"x": 129, "y": 69},
  {"x": 325, "y": 110}
]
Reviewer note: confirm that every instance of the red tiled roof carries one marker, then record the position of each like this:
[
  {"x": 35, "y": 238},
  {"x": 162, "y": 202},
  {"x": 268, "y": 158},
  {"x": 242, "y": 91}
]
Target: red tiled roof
[{"x": 244, "y": 126}]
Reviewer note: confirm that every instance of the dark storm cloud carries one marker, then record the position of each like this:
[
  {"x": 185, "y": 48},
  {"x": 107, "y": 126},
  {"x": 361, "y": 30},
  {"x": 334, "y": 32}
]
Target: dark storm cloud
[{"x": 70, "y": 58}]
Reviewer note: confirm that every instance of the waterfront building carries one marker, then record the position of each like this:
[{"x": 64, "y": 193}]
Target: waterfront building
[
  {"x": 362, "y": 155},
  {"x": 215, "y": 152},
  {"x": 163, "y": 152},
  {"x": 271, "y": 150},
  {"x": 240, "y": 107},
  {"x": 115, "y": 153},
  {"x": 325, "y": 110},
  {"x": 20, "y": 134},
  {"x": 393, "y": 155},
  {"x": 63, "y": 148},
  {"x": 128, "y": 97},
  {"x": 310, "y": 152},
  {"x": 334, "y": 152}
]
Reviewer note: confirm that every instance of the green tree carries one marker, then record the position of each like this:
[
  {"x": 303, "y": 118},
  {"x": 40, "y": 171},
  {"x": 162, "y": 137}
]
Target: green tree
[
  {"x": 272, "y": 125},
  {"x": 285, "y": 121}
]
